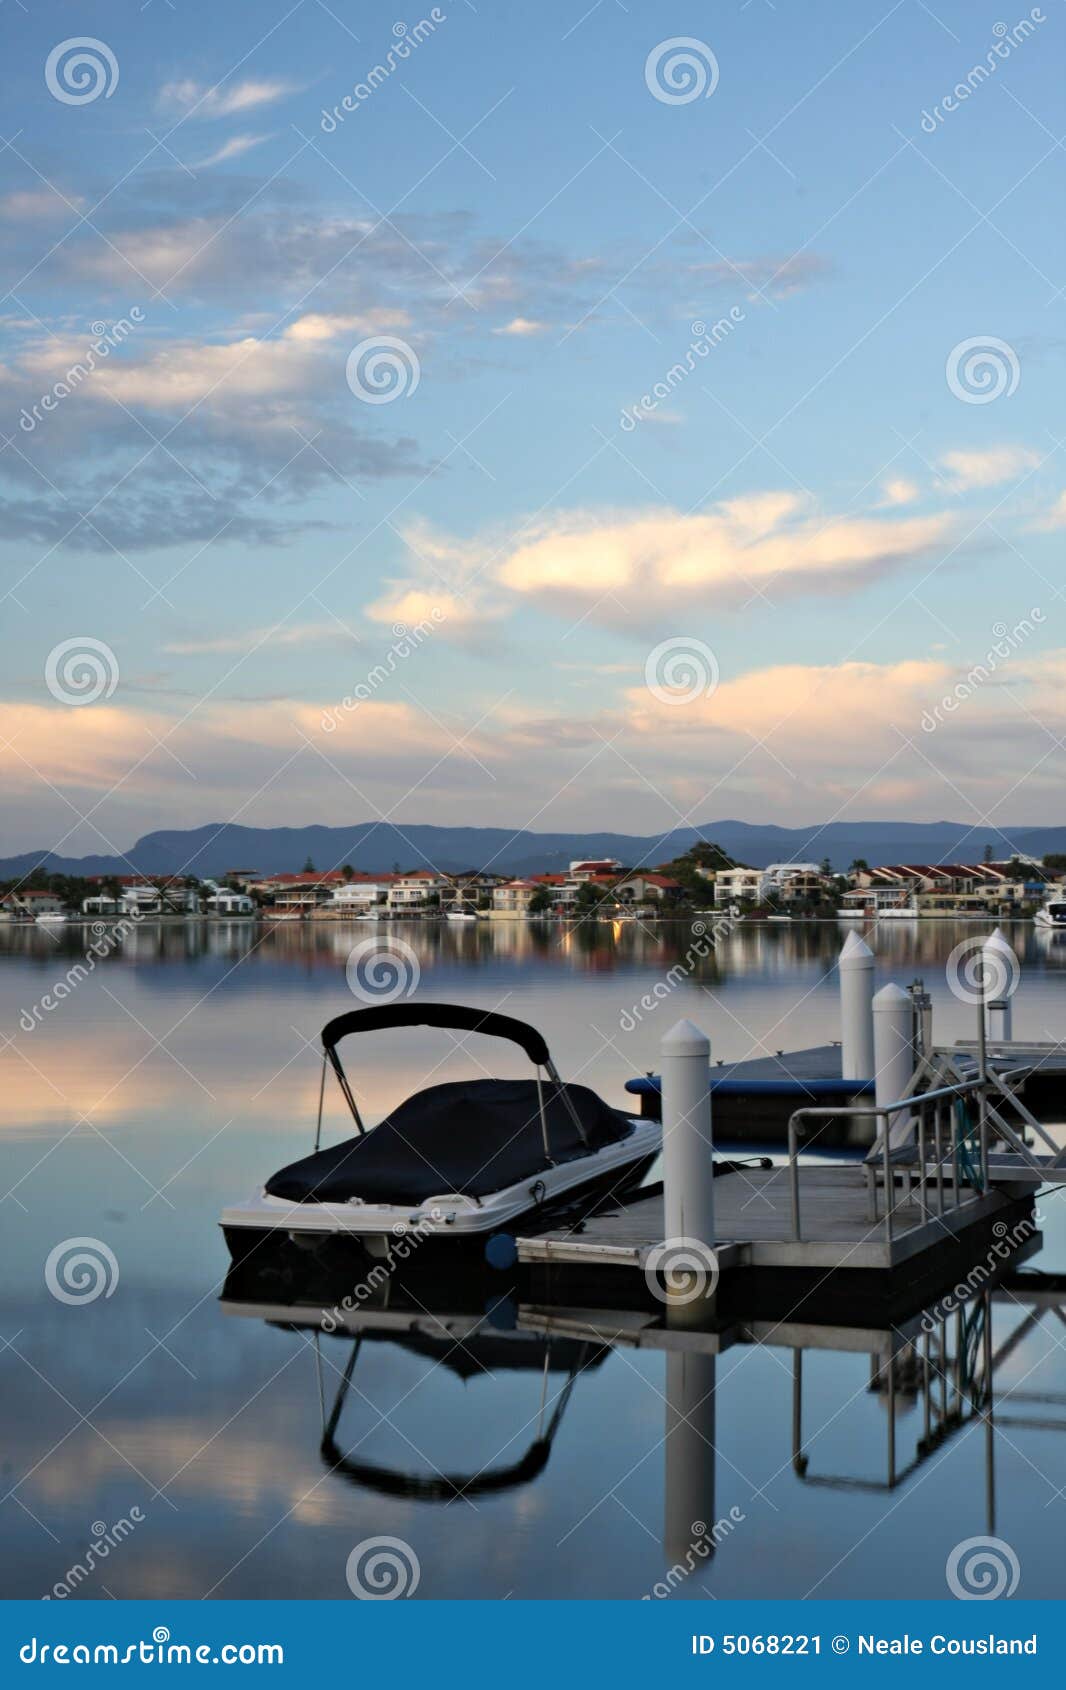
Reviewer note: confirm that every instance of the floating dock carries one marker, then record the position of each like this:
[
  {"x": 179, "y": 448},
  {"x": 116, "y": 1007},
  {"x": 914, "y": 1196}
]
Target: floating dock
[
  {"x": 752, "y": 1100},
  {"x": 754, "y": 1224}
]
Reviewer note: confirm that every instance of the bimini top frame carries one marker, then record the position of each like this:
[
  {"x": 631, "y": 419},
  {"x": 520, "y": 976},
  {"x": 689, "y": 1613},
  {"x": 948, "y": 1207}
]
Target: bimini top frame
[{"x": 454, "y": 1016}]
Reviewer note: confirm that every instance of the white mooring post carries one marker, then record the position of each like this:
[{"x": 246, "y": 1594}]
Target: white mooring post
[
  {"x": 688, "y": 1144},
  {"x": 856, "y": 966},
  {"x": 999, "y": 964},
  {"x": 893, "y": 1044}
]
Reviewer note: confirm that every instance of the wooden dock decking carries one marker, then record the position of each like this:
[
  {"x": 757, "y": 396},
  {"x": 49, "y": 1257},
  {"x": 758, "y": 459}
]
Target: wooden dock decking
[{"x": 753, "y": 1221}]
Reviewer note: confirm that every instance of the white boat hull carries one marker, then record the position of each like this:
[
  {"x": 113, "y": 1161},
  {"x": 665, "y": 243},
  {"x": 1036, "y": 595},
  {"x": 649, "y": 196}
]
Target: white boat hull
[{"x": 449, "y": 1215}]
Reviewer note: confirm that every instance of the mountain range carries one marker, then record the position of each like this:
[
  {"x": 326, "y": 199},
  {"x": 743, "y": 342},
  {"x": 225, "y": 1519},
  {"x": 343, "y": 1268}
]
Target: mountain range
[{"x": 213, "y": 849}]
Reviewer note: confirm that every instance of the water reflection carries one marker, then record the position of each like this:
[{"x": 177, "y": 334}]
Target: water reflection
[{"x": 853, "y": 1444}]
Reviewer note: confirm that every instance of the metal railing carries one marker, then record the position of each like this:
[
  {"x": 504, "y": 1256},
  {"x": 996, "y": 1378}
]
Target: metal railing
[{"x": 929, "y": 1109}]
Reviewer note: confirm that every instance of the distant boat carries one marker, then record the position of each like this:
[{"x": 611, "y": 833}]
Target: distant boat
[
  {"x": 1052, "y": 913},
  {"x": 50, "y": 918},
  {"x": 461, "y": 915},
  {"x": 779, "y": 918}
]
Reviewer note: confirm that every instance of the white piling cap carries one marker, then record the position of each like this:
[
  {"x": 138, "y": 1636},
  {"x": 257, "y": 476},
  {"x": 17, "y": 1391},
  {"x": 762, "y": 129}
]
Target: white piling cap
[
  {"x": 686, "y": 1039},
  {"x": 856, "y": 953},
  {"x": 891, "y": 996}
]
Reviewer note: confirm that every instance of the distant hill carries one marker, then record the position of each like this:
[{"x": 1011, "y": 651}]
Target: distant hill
[{"x": 218, "y": 846}]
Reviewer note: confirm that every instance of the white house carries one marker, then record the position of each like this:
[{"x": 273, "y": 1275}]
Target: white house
[
  {"x": 414, "y": 891},
  {"x": 733, "y": 884},
  {"x": 360, "y": 893}
]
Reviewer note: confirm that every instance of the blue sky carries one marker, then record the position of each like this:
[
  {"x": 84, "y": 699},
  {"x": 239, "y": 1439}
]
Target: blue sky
[{"x": 826, "y": 518}]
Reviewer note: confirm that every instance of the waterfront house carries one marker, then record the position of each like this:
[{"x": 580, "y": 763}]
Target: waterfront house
[
  {"x": 298, "y": 894},
  {"x": 514, "y": 897},
  {"x": 30, "y": 902},
  {"x": 468, "y": 892},
  {"x": 733, "y": 885},
  {"x": 360, "y": 893},
  {"x": 416, "y": 891}
]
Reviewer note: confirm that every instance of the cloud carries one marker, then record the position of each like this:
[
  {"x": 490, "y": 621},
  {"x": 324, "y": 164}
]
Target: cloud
[
  {"x": 234, "y": 148},
  {"x": 309, "y": 634},
  {"x": 966, "y": 470},
  {"x": 1053, "y": 519},
  {"x": 32, "y": 204},
  {"x": 522, "y": 327},
  {"x": 644, "y": 560},
  {"x": 250, "y": 423},
  {"x": 898, "y": 492},
  {"x": 851, "y": 736},
  {"x": 776, "y": 278},
  {"x": 204, "y": 101}
]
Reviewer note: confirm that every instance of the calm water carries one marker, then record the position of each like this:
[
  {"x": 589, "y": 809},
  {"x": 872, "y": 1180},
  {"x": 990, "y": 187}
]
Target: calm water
[{"x": 183, "y": 1071}]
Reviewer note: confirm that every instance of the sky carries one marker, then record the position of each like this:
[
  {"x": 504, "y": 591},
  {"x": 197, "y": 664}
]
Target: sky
[{"x": 570, "y": 416}]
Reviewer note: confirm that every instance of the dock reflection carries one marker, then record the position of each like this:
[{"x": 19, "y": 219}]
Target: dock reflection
[{"x": 937, "y": 1372}]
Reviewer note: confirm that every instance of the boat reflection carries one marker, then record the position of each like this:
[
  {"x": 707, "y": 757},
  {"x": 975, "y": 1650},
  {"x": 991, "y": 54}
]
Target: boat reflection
[{"x": 473, "y": 1332}]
